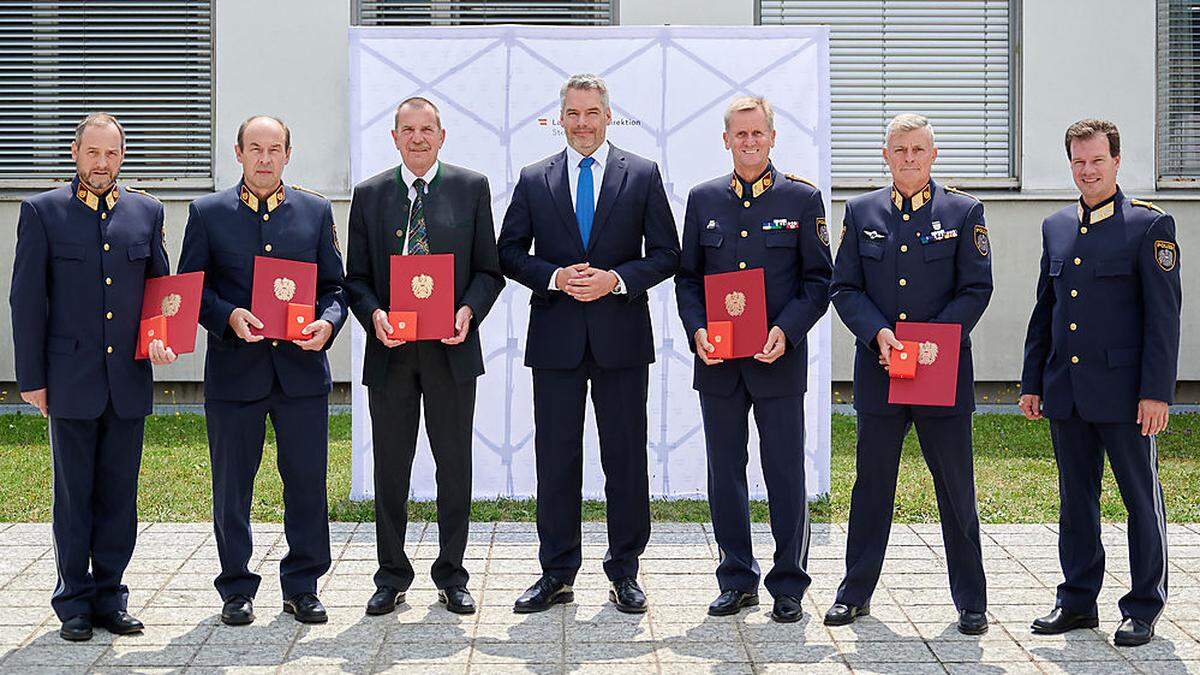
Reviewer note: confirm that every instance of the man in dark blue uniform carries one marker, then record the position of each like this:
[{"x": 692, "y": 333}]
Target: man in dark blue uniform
[
  {"x": 1105, "y": 384},
  {"x": 84, "y": 252},
  {"x": 756, "y": 217},
  {"x": 248, "y": 378},
  {"x": 915, "y": 251}
]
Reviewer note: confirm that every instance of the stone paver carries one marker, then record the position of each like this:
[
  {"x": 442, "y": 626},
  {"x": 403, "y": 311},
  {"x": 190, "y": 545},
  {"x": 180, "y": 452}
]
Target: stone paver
[{"x": 910, "y": 629}]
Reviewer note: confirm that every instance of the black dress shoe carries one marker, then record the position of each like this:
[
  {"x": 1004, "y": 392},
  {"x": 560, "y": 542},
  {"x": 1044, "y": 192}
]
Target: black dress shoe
[
  {"x": 1132, "y": 633},
  {"x": 627, "y": 596},
  {"x": 384, "y": 601},
  {"x": 972, "y": 623},
  {"x": 76, "y": 628},
  {"x": 306, "y": 608},
  {"x": 1062, "y": 620},
  {"x": 786, "y": 610},
  {"x": 842, "y": 614},
  {"x": 543, "y": 595},
  {"x": 731, "y": 602},
  {"x": 118, "y": 622},
  {"x": 238, "y": 610},
  {"x": 457, "y": 599}
]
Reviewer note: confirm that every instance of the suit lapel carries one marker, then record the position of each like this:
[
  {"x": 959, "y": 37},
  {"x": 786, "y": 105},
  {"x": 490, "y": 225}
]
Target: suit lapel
[
  {"x": 610, "y": 189},
  {"x": 394, "y": 209},
  {"x": 560, "y": 190}
]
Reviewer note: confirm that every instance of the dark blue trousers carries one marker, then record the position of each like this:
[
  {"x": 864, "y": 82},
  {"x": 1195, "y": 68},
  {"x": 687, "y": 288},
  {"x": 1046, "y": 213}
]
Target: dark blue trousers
[
  {"x": 946, "y": 446},
  {"x": 96, "y": 465},
  {"x": 236, "y": 433},
  {"x": 1079, "y": 449},
  {"x": 780, "y": 423},
  {"x": 619, "y": 399}
]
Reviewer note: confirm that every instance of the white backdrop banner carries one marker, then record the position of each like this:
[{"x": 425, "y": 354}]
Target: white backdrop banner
[{"x": 497, "y": 88}]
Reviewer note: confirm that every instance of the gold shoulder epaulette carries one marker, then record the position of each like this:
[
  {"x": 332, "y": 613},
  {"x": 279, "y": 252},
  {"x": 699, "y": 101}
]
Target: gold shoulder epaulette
[
  {"x": 960, "y": 192},
  {"x": 1148, "y": 205},
  {"x": 311, "y": 192},
  {"x": 798, "y": 179},
  {"x": 143, "y": 192}
]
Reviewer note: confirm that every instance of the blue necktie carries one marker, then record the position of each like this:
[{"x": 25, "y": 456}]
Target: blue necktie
[{"x": 585, "y": 203}]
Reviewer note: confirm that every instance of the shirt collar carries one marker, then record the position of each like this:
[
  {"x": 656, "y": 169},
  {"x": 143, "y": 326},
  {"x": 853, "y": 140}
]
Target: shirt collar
[
  {"x": 600, "y": 155},
  {"x": 407, "y": 177},
  {"x": 1102, "y": 211},
  {"x": 91, "y": 199}
]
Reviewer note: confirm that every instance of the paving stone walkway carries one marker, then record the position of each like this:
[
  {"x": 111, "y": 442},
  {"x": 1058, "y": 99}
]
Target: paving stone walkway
[{"x": 911, "y": 628}]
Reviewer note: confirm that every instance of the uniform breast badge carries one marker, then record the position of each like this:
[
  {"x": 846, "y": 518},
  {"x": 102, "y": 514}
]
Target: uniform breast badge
[
  {"x": 422, "y": 286},
  {"x": 735, "y": 303},
  {"x": 927, "y": 353},
  {"x": 171, "y": 304},
  {"x": 285, "y": 289}
]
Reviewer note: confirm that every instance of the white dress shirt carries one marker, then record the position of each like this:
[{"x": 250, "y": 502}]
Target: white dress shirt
[
  {"x": 409, "y": 178},
  {"x": 573, "y": 170}
]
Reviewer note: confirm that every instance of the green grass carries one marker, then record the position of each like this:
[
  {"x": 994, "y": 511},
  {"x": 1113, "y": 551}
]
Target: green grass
[{"x": 1016, "y": 477}]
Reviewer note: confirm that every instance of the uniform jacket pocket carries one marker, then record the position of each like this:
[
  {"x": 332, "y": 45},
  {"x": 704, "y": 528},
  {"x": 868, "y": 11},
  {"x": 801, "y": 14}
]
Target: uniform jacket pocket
[{"x": 139, "y": 250}]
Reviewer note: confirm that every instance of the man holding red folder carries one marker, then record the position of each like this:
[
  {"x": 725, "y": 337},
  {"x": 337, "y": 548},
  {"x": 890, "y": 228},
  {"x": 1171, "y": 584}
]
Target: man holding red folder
[
  {"x": 912, "y": 252},
  {"x": 84, "y": 253},
  {"x": 234, "y": 236},
  {"x": 421, "y": 209},
  {"x": 758, "y": 220}
]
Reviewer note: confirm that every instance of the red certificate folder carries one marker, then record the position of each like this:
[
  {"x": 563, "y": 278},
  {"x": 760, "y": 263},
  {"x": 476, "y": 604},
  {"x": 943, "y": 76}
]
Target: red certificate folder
[
  {"x": 720, "y": 336},
  {"x": 404, "y": 325},
  {"x": 936, "y": 380},
  {"x": 425, "y": 284},
  {"x": 176, "y": 298},
  {"x": 278, "y": 283},
  {"x": 741, "y": 299}
]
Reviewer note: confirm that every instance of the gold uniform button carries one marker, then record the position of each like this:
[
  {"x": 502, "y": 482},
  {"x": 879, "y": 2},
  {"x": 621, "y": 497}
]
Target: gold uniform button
[
  {"x": 1078, "y": 261},
  {"x": 1074, "y": 293},
  {"x": 745, "y": 234},
  {"x": 106, "y": 246},
  {"x": 904, "y": 282},
  {"x": 266, "y": 216},
  {"x": 108, "y": 281},
  {"x": 905, "y": 216},
  {"x": 400, "y": 233},
  {"x": 904, "y": 248},
  {"x": 746, "y": 204},
  {"x": 1083, "y": 230},
  {"x": 1074, "y": 326},
  {"x": 903, "y": 316},
  {"x": 103, "y": 216},
  {"x": 1074, "y": 359},
  {"x": 109, "y": 350},
  {"x": 274, "y": 343},
  {"x": 267, "y": 248},
  {"x": 741, "y": 266},
  {"x": 108, "y": 315}
]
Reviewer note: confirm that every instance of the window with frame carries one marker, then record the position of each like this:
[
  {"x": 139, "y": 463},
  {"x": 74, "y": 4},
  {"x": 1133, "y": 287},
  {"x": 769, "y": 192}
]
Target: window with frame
[
  {"x": 147, "y": 63},
  {"x": 484, "y": 12},
  {"x": 951, "y": 60},
  {"x": 1178, "y": 93}
]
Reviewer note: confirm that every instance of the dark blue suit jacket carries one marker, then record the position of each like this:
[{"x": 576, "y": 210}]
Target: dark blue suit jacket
[
  {"x": 1109, "y": 296},
  {"x": 224, "y": 234},
  {"x": 947, "y": 279},
  {"x": 719, "y": 233},
  {"x": 632, "y": 212},
  {"x": 75, "y": 263}
]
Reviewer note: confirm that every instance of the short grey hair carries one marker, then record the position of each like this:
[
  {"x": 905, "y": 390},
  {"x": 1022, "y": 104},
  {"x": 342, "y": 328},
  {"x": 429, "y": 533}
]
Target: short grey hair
[
  {"x": 744, "y": 103},
  {"x": 98, "y": 119},
  {"x": 583, "y": 82},
  {"x": 908, "y": 122}
]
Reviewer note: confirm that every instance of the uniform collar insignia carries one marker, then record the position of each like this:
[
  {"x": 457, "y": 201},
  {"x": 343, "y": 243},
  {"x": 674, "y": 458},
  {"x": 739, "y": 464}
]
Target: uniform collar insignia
[
  {"x": 251, "y": 200},
  {"x": 1096, "y": 214},
  {"x": 735, "y": 185},
  {"x": 762, "y": 184},
  {"x": 921, "y": 198},
  {"x": 90, "y": 199},
  {"x": 248, "y": 198},
  {"x": 275, "y": 199},
  {"x": 759, "y": 186}
]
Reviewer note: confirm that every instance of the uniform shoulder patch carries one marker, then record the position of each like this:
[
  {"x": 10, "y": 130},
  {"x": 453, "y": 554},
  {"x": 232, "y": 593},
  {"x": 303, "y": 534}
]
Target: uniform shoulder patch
[
  {"x": 960, "y": 192},
  {"x": 1166, "y": 255},
  {"x": 304, "y": 189},
  {"x": 143, "y": 193},
  {"x": 823, "y": 231},
  {"x": 793, "y": 177},
  {"x": 981, "y": 240},
  {"x": 1145, "y": 204}
]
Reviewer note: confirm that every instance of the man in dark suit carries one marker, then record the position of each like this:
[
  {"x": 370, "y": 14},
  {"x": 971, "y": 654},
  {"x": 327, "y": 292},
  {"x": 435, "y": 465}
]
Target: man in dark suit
[
  {"x": 1101, "y": 356},
  {"x": 588, "y": 211},
  {"x": 84, "y": 252},
  {"x": 248, "y": 378},
  {"x": 422, "y": 206},
  {"x": 756, "y": 216}
]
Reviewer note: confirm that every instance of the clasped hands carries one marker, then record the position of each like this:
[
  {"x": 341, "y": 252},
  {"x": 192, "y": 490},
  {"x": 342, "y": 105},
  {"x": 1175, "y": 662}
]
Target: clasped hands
[
  {"x": 584, "y": 282},
  {"x": 241, "y": 320}
]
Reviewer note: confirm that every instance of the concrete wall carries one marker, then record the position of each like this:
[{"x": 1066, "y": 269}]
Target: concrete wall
[{"x": 289, "y": 58}]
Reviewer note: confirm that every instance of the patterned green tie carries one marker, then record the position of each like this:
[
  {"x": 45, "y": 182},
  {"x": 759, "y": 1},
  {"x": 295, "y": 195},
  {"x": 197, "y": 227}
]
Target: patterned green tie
[{"x": 418, "y": 239}]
